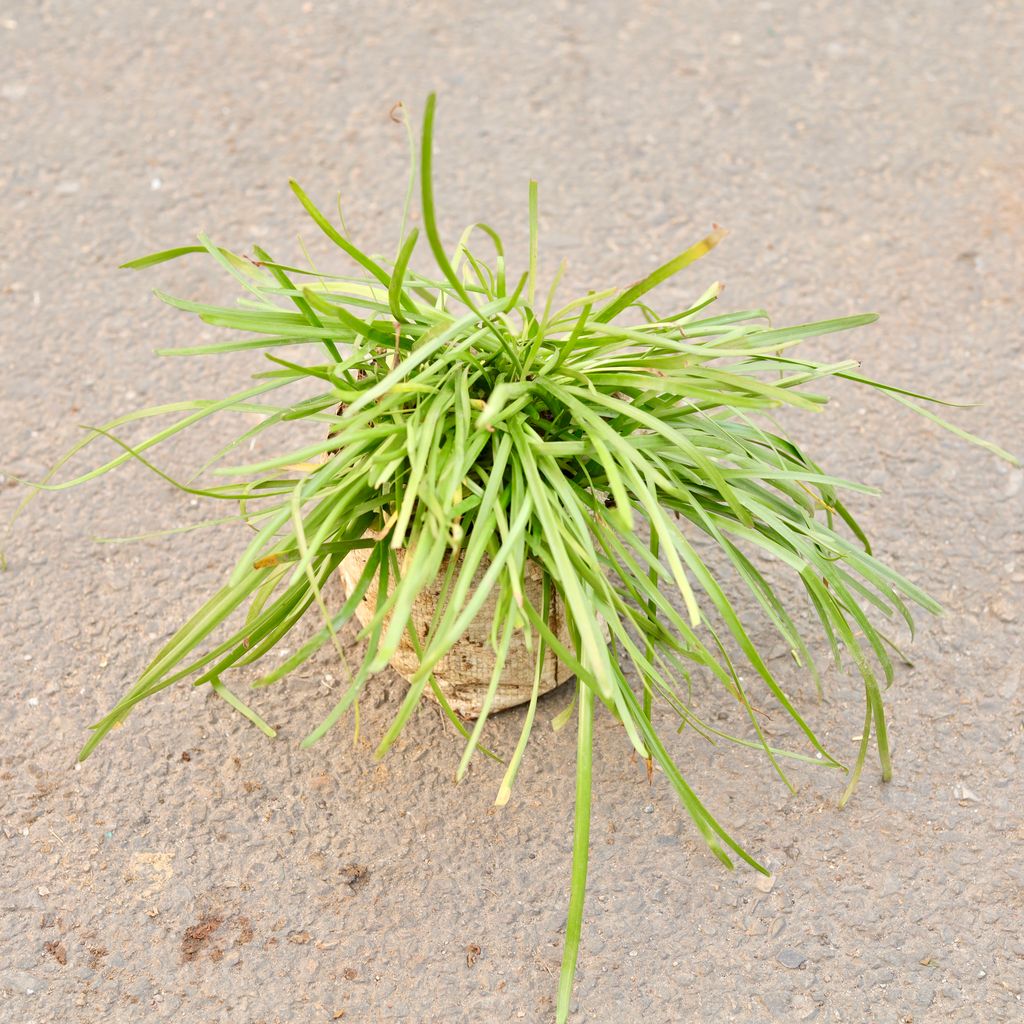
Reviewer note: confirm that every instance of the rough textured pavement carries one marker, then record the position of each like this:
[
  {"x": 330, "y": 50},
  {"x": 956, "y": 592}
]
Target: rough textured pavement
[{"x": 864, "y": 158}]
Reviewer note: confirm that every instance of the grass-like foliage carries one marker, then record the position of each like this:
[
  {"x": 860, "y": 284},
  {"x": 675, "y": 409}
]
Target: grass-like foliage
[{"x": 460, "y": 410}]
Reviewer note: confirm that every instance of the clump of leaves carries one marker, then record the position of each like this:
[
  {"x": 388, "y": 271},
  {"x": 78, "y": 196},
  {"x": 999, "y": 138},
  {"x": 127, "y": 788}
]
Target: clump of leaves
[{"x": 461, "y": 411}]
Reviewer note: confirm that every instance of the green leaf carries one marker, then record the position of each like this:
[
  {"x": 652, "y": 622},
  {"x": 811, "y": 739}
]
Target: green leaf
[
  {"x": 580, "y": 853},
  {"x": 663, "y": 273}
]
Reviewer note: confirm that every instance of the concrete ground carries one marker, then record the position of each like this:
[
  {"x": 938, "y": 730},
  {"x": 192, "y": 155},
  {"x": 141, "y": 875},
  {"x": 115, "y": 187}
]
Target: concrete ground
[{"x": 865, "y": 156}]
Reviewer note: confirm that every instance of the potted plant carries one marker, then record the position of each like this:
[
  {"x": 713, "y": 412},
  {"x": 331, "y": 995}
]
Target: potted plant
[{"x": 514, "y": 489}]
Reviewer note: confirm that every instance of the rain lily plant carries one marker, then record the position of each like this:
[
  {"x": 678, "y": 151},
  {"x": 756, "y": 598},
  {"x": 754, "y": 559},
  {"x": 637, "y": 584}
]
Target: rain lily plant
[{"x": 460, "y": 417}]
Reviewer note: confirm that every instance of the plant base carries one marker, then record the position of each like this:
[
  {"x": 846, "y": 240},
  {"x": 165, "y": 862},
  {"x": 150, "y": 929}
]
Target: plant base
[{"x": 463, "y": 675}]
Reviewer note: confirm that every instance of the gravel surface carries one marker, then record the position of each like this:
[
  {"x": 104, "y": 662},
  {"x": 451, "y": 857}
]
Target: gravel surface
[{"x": 865, "y": 156}]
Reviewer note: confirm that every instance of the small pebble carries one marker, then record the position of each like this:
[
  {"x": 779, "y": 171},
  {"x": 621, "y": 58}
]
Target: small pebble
[
  {"x": 791, "y": 959},
  {"x": 649, "y": 809}
]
